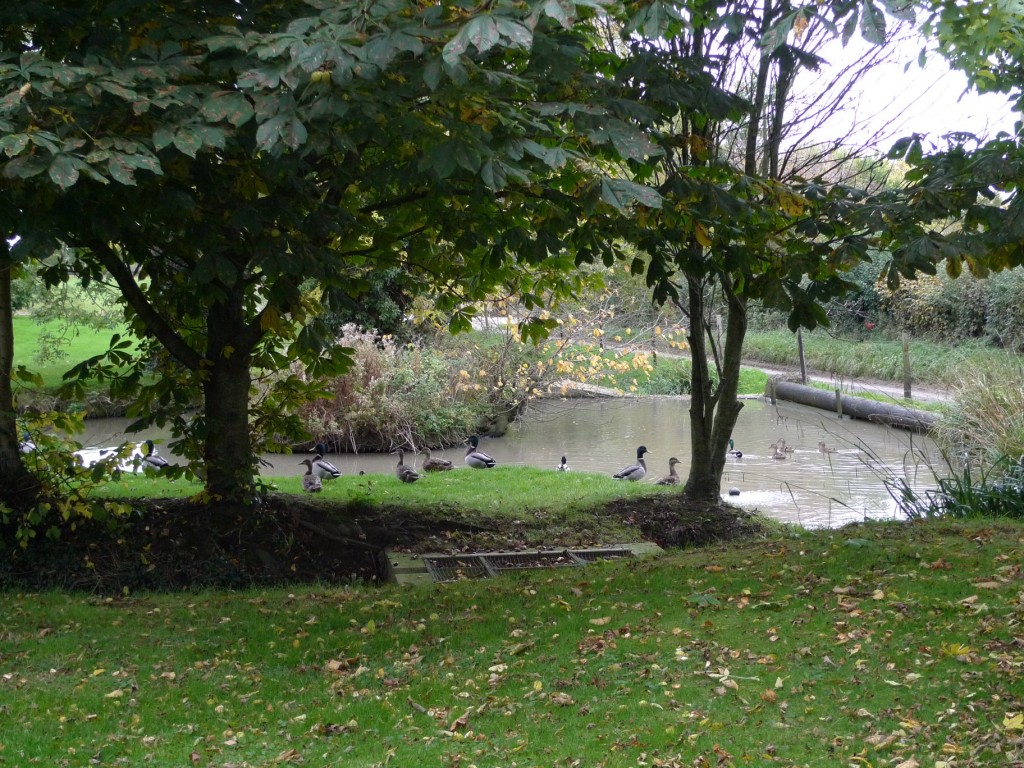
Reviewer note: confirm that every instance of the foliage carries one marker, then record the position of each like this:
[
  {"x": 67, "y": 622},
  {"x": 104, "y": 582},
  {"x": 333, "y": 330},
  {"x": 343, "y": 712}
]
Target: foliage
[
  {"x": 393, "y": 396},
  {"x": 246, "y": 148},
  {"x": 962, "y": 494},
  {"x": 938, "y": 308},
  {"x": 68, "y": 487},
  {"x": 540, "y": 669}
]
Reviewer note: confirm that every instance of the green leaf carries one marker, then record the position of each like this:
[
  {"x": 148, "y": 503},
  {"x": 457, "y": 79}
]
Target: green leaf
[
  {"x": 872, "y": 23},
  {"x": 562, "y": 11},
  {"x": 482, "y": 33},
  {"x": 232, "y": 106},
  {"x": 64, "y": 171},
  {"x": 187, "y": 141}
]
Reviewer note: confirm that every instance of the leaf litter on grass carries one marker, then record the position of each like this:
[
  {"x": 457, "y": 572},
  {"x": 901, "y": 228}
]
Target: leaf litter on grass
[{"x": 906, "y": 652}]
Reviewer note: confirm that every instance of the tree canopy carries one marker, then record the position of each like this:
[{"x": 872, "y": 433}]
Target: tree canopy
[{"x": 219, "y": 162}]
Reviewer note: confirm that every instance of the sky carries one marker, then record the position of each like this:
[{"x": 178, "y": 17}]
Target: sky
[{"x": 935, "y": 98}]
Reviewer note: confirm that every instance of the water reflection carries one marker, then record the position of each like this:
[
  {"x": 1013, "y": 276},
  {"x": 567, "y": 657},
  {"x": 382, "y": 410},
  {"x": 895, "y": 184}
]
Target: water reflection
[{"x": 601, "y": 435}]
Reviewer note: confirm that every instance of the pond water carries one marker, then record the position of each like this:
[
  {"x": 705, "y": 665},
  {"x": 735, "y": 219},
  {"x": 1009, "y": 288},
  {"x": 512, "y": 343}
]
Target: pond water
[{"x": 601, "y": 435}]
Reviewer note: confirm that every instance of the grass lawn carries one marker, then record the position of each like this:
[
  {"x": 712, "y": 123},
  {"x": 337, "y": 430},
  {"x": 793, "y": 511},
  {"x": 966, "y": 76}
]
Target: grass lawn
[
  {"x": 83, "y": 344},
  {"x": 883, "y": 644}
]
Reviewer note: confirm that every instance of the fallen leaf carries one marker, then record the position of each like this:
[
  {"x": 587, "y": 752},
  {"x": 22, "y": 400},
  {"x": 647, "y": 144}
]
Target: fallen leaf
[
  {"x": 601, "y": 621},
  {"x": 1014, "y": 722},
  {"x": 988, "y": 585},
  {"x": 911, "y": 763},
  {"x": 288, "y": 756}
]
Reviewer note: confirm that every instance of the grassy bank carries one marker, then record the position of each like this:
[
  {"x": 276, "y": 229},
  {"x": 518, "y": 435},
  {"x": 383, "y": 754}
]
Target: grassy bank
[
  {"x": 877, "y": 645},
  {"x": 874, "y": 357},
  {"x": 30, "y": 337}
]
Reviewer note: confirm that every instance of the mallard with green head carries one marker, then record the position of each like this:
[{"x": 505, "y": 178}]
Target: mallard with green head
[{"x": 634, "y": 471}]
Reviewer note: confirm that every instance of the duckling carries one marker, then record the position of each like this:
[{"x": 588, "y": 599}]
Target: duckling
[
  {"x": 780, "y": 445},
  {"x": 732, "y": 451},
  {"x": 672, "y": 478},
  {"x": 824, "y": 448},
  {"x": 779, "y": 454},
  {"x": 322, "y": 468},
  {"x": 477, "y": 458},
  {"x": 435, "y": 464},
  {"x": 563, "y": 466},
  {"x": 402, "y": 472},
  {"x": 152, "y": 459},
  {"x": 310, "y": 482},
  {"x": 634, "y": 471}
]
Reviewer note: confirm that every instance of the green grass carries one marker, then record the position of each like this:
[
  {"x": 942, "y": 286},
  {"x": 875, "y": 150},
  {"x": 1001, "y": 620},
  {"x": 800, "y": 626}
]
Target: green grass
[
  {"x": 873, "y": 357},
  {"x": 80, "y": 345},
  {"x": 878, "y": 645},
  {"x": 500, "y": 492}
]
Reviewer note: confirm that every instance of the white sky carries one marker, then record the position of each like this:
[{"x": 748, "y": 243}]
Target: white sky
[{"x": 936, "y": 95}]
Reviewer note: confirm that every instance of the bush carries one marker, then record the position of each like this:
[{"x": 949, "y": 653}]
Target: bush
[
  {"x": 1005, "y": 322},
  {"x": 392, "y": 396}
]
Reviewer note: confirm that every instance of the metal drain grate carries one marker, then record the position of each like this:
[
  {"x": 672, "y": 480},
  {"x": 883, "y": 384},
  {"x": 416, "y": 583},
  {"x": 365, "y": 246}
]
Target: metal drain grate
[
  {"x": 456, "y": 567},
  {"x": 597, "y": 555},
  {"x": 516, "y": 561}
]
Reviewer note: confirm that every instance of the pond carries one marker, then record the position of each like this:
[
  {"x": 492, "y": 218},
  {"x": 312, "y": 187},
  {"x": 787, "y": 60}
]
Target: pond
[{"x": 601, "y": 435}]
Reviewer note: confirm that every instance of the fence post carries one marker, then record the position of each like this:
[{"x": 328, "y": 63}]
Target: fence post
[{"x": 906, "y": 367}]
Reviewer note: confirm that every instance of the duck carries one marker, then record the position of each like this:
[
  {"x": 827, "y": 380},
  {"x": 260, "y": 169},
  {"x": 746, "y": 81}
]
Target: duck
[
  {"x": 322, "y": 468},
  {"x": 824, "y": 448},
  {"x": 310, "y": 482},
  {"x": 152, "y": 459},
  {"x": 563, "y": 465},
  {"x": 780, "y": 445},
  {"x": 27, "y": 444},
  {"x": 431, "y": 464},
  {"x": 779, "y": 453},
  {"x": 402, "y": 472},
  {"x": 634, "y": 471},
  {"x": 477, "y": 458},
  {"x": 732, "y": 450},
  {"x": 672, "y": 478}
]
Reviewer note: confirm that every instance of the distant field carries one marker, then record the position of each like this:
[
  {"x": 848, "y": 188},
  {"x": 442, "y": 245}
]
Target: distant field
[{"x": 81, "y": 344}]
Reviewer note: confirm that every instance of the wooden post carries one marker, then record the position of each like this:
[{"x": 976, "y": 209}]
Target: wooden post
[
  {"x": 800, "y": 352},
  {"x": 839, "y": 402},
  {"x": 906, "y": 367}
]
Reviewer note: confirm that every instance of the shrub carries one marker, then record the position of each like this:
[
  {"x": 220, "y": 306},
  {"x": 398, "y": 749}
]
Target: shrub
[
  {"x": 392, "y": 396},
  {"x": 1005, "y": 321}
]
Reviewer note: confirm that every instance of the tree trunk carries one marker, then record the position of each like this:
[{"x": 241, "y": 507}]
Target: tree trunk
[
  {"x": 230, "y": 465},
  {"x": 713, "y": 412},
  {"x": 18, "y": 487}
]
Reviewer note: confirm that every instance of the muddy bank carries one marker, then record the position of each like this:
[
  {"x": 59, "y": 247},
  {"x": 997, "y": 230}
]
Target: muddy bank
[{"x": 170, "y": 544}]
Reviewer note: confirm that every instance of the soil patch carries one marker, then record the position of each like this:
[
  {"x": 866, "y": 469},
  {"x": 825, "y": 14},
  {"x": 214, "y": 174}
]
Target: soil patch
[{"x": 173, "y": 544}]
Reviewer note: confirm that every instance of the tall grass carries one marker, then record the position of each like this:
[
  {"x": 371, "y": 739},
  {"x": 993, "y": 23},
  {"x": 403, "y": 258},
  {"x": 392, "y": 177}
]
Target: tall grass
[{"x": 986, "y": 420}]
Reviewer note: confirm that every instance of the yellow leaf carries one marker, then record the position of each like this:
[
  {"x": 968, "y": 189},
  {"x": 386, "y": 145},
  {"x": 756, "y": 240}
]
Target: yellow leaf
[
  {"x": 601, "y": 621},
  {"x": 117, "y": 693},
  {"x": 1014, "y": 722},
  {"x": 702, "y": 235}
]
